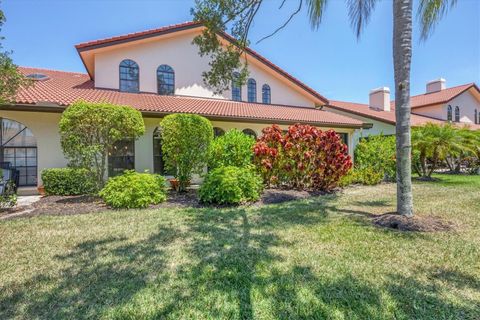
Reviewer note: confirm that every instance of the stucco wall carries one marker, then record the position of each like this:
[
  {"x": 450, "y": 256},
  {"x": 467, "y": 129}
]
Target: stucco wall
[
  {"x": 466, "y": 102},
  {"x": 182, "y": 56},
  {"x": 377, "y": 128},
  {"x": 45, "y": 128}
]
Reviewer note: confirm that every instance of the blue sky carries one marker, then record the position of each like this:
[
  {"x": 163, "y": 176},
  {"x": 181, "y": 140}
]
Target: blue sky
[{"x": 43, "y": 33}]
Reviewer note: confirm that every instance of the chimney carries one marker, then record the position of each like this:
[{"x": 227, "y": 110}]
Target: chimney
[
  {"x": 436, "y": 85},
  {"x": 380, "y": 99}
]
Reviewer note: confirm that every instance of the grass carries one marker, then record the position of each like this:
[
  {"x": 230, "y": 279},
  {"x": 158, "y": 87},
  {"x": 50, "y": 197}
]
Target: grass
[{"x": 310, "y": 259}]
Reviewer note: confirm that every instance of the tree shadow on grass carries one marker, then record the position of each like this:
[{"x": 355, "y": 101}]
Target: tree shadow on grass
[{"x": 99, "y": 274}]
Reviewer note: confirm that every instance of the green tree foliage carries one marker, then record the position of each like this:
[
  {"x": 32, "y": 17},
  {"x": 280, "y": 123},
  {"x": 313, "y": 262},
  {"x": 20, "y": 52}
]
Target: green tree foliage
[
  {"x": 11, "y": 80},
  {"x": 89, "y": 130},
  {"x": 433, "y": 143},
  {"x": 185, "y": 142},
  {"x": 234, "y": 148},
  {"x": 377, "y": 153},
  {"x": 134, "y": 190},
  {"x": 231, "y": 185}
]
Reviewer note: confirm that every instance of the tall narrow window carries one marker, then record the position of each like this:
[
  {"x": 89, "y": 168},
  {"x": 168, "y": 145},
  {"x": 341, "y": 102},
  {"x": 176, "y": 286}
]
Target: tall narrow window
[
  {"x": 266, "y": 94},
  {"x": 129, "y": 76},
  {"x": 476, "y": 117},
  {"x": 121, "y": 157},
  {"x": 449, "y": 113},
  {"x": 236, "y": 87},
  {"x": 165, "y": 80},
  {"x": 158, "y": 161},
  {"x": 457, "y": 114},
  {"x": 252, "y": 90}
]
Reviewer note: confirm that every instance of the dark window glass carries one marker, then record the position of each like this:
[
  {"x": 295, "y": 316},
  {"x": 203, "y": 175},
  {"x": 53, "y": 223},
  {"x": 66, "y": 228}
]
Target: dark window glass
[
  {"x": 129, "y": 76},
  {"x": 165, "y": 80},
  {"x": 158, "y": 161},
  {"x": 252, "y": 90},
  {"x": 18, "y": 150},
  {"x": 344, "y": 138},
  {"x": 449, "y": 113},
  {"x": 457, "y": 114},
  {"x": 266, "y": 94},
  {"x": 217, "y": 132},
  {"x": 476, "y": 117},
  {"x": 250, "y": 132},
  {"x": 121, "y": 157},
  {"x": 236, "y": 87}
]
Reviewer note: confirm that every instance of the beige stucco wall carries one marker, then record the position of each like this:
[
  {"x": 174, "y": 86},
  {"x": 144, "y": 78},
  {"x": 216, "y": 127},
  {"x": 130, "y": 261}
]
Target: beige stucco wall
[
  {"x": 179, "y": 53},
  {"x": 45, "y": 128},
  {"x": 465, "y": 101}
]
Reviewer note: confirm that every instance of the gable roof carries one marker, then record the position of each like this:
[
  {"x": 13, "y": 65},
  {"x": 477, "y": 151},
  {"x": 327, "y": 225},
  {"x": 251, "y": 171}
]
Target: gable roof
[
  {"x": 95, "y": 44},
  {"x": 63, "y": 88},
  {"x": 439, "y": 97}
]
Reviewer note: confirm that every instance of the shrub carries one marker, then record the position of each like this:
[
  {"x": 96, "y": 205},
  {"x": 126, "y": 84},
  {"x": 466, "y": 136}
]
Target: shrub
[
  {"x": 89, "y": 130},
  {"x": 8, "y": 198},
  {"x": 68, "y": 181},
  {"x": 302, "y": 158},
  {"x": 367, "y": 176},
  {"x": 134, "y": 190},
  {"x": 231, "y": 185},
  {"x": 234, "y": 148},
  {"x": 185, "y": 142},
  {"x": 377, "y": 153}
]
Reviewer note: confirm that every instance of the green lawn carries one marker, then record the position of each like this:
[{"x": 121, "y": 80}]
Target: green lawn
[{"x": 310, "y": 259}]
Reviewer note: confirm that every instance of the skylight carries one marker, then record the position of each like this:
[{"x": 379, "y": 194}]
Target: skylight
[{"x": 37, "y": 76}]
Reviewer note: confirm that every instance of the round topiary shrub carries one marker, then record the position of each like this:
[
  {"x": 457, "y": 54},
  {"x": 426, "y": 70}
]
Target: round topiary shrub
[
  {"x": 231, "y": 185},
  {"x": 234, "y": 148},
  {"x": 134, "y": 190}
]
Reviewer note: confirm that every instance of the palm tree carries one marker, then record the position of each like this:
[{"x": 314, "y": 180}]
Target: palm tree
[{"x": 217, "y": 13}]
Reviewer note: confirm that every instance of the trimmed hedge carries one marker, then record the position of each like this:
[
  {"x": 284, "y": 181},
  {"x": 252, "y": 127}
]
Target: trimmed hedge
[
  {"x": 231, "y": 185},
  {"x": 234, "y": 148},
  {"x": 68, "y": 181},
  {"x": 366, "y": 176},
  {"x": 134, "y": 190},
  {"x": 378, "y": 154}
]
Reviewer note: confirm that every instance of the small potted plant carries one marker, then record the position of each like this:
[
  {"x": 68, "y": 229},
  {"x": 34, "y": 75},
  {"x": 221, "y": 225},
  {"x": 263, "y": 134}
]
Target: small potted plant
[
  {"x": 41, "y": 190},
  {"x": 174, "y": 183}
]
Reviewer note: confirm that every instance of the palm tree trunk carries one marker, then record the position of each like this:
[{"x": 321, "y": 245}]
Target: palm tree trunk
[{"x": 402, "y": 56}]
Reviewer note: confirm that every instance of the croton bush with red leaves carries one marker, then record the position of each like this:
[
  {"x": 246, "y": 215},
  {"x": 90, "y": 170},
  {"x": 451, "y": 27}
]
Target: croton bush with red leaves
[{"x": 303, "y": 157}]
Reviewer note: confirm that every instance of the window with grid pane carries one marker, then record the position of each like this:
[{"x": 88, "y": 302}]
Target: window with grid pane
[
  {"x": 165, "y": 80},
  {"x": 252, "y": 90},
  {"x": 129, "y": 76},
  {"x": 236, "y": 87},
  {"x": 266, "y": 94}
]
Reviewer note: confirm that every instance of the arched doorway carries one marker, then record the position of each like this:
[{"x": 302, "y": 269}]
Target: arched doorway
[{"x": 18, "y": 150}]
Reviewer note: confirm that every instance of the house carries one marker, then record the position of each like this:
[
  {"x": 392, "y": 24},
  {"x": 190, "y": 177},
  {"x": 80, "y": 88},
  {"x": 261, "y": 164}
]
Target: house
[
  {"x": 439, "y": 104},
  {"x": 157, "y": 72}
]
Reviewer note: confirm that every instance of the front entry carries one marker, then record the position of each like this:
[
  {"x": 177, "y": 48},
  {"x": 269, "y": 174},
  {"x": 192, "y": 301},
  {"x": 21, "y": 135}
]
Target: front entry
[{"x": 18, "y": 149}]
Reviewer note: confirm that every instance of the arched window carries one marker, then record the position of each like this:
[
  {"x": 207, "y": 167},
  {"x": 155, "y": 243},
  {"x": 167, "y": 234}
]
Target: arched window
[
  {"x": 457, "y": 114},
  {"x": 250, "y": 132},
  {"x": 252, "y": 90},
  {"x": 449, "y": 113},
  {"x": 18, "y": 151},
  {"x": 165, "y": 80},
  {"x": 476, "y": 117},
  {"x": 266, "y": 94},
  {"x": 129, "y": 76},
  {"x": 236, "y": 87},
  {"x": 218, "y": 132}
]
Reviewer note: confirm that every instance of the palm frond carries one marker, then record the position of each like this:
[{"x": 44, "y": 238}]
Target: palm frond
[
  {"x": 315, "y": 11},
  {"x": 430, "y": 12},
  {"x": 359, "y": 12}
]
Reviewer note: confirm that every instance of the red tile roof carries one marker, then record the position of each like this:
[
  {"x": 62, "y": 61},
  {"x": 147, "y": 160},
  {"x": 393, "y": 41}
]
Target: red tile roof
[
  {"x": 63, "y": 88},
  {"x": 439, "y": 97},
  {"x": 364, "y": 110},
  {"x": 190, "y": 25}
]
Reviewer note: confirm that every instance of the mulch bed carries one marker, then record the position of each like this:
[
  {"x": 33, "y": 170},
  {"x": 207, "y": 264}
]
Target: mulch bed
[
  {"x": 70, "y": 205},
  {"x": 416, "y": 223}
]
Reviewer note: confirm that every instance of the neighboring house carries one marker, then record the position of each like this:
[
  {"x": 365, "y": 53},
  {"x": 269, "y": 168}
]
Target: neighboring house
[
  {"x": 459, "y": 105},
  {"x": 157, "y": 72}
]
